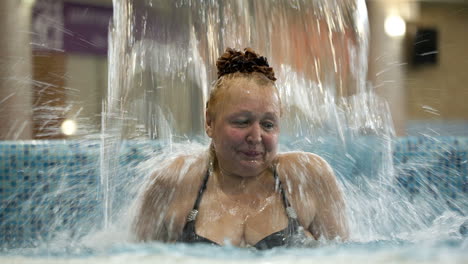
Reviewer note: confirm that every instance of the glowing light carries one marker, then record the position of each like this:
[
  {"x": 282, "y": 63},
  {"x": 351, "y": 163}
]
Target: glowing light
[
  {"x": 29, "y": 2},
  {"x": 68, "y": 127},
  {"x": 395, "y": 26}
]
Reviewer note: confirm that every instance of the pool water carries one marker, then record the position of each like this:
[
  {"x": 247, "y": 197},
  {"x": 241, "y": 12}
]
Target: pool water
[
  {"x": 406, "y": 202},
  {"x": 63, "y": 223},
  {"x": 453, "y": 250}
]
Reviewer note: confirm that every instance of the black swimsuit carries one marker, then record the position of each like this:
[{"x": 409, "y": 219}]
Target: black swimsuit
[{"x": 280, "y": 238}]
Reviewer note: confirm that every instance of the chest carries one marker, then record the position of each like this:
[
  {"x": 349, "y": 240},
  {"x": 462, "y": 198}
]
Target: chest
[{"x": 240, "y": 222}]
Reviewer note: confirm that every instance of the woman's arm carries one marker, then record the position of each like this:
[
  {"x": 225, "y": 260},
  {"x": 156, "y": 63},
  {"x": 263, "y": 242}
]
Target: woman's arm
[
  {"x": 314, "y": 194},
  {"x": 158, "y": 194},
  {"x": 330, "y": 219},
  {"x": 167, "y": 198}
]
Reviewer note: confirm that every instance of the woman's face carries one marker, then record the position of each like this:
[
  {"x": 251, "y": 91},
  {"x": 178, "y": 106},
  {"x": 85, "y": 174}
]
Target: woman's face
[{"x": 245, "y": 127}]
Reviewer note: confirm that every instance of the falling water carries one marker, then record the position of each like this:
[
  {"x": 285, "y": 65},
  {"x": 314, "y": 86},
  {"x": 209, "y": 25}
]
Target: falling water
[
  {"x": 162, "y": 61},
  {"x": 161, "y": 64},
  {"x": 162, "y": 58}
]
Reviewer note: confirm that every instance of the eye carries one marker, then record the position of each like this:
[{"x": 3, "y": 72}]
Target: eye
[
  {"x": 241, "y": 122},
  {"x": 268, "y": 125}
]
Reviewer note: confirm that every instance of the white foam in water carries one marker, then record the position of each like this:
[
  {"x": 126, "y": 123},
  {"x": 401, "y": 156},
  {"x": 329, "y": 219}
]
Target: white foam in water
[
  {"x": 157, "y": 253},
  {"x": 161, "y": 63}
]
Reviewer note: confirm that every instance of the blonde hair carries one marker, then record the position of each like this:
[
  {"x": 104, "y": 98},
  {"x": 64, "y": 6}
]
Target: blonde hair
[
  {"x": 234, "y": 64},
  {"x": 228, "y": 80}
]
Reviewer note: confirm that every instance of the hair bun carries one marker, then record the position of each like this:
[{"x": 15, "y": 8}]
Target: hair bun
[{"x": 248, "y": 61}]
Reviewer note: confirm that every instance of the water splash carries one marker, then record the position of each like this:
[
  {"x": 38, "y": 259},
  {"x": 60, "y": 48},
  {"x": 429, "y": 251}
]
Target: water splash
[
  {"x": 319, "y": 50},
  {"x": 161, "y": 56}
]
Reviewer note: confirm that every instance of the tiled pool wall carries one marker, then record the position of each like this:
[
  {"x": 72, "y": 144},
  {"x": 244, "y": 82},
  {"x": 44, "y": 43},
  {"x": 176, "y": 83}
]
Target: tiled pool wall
[{"x": 48, "y": 186}]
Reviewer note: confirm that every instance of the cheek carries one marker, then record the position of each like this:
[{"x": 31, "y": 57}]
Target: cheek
[
  {"x": 271, "y": 142},
  {"x": 235, "y": 135},
  {"x": 230, "y": 136}
]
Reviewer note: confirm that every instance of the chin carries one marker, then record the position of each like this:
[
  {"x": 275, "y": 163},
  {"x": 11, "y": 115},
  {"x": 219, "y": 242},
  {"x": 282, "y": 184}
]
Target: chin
[{"x": 252, "y": 168}]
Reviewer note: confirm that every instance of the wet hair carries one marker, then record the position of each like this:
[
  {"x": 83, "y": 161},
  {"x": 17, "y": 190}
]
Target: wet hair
[
  {"x": 234, "y": 64},
  {"x": 237, "y": 64},
  {"x": 244, "y": 62}
]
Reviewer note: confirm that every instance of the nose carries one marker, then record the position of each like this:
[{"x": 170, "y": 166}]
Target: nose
[{"x": 255, "y": 134}]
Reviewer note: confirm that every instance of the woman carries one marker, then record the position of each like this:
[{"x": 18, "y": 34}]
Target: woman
[{"x": 241, "y": 191}]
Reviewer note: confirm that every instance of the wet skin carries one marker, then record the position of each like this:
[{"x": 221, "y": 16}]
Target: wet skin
[
  {"x": 241, "y": 205},
  {"x": 245, "y": 128}
]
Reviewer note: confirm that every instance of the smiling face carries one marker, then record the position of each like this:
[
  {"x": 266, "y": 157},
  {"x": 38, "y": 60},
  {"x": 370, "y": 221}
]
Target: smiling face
[{"x": 244, "y": 126}]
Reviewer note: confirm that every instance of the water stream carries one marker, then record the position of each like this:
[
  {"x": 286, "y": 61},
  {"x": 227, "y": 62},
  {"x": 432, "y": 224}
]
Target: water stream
[{"x": 161, "y": 64}]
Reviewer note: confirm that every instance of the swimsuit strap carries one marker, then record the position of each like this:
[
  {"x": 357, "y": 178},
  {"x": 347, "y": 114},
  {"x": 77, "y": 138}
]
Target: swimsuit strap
[
  {"x": 293, "y": 223},
  {"x": 202, "y": 189},
  {"x": 289, "y": 209},
  {"x": 193, "y": 214}
]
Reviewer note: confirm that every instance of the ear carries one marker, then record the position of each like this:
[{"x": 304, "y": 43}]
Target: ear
[{"x": 208, "y": 125}]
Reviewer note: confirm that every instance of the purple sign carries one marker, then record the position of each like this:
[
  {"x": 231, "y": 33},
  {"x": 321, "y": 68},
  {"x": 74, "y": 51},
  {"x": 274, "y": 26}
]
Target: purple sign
[
  {"x": 86, "y": 28},
  {"x": 47, "y": 25},
  {"x": 70, "y": 27}
]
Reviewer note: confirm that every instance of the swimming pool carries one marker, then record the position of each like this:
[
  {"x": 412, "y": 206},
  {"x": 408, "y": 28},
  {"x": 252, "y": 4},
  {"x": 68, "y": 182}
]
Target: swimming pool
[
  {"x": 376, "y": 252},
  {"x": 52, "y": 206},
  {"x": 407, "y": 197}
]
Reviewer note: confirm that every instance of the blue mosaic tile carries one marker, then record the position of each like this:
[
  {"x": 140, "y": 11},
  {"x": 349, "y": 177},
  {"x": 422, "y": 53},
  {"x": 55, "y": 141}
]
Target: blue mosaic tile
[
  {"x": 54, "y": 184},
  {"x": 47, "y": 186}
]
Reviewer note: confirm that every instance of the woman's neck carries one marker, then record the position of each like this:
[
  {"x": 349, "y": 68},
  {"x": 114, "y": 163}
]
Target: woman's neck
[{"x": 232, "y": 184}]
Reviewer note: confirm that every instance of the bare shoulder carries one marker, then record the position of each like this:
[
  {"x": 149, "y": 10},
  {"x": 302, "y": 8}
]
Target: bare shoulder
[
  {"x": 314, "y": 192},
  {"x": 167, "y": 196},
  {"x": 179, "y": 170},
  {"x": 306, "y": 164}
]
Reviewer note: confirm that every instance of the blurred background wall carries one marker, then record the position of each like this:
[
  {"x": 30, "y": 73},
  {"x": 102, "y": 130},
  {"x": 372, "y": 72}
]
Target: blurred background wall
[
  {"x": 53, "y": 67},
  {"x": 15, "y": 70},
  {"x": 422, "y": 72},
  {"x": 51, "y": 89},
  {"x": 437, "y": 91}
]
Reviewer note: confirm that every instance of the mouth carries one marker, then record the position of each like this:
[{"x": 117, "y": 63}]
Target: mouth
[{"x": 252, "y": 154}]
